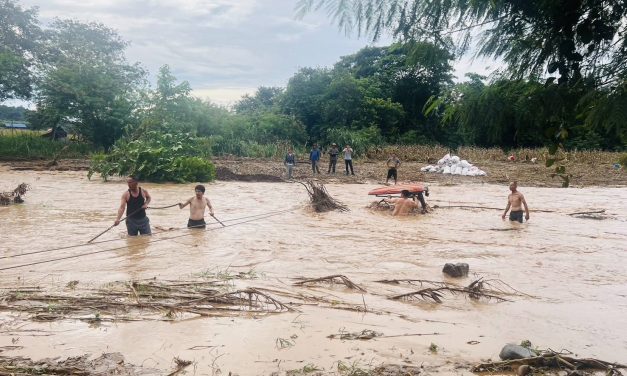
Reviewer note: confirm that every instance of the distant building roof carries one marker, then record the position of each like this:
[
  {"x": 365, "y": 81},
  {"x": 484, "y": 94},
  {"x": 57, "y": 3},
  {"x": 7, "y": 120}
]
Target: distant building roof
[{"x": 16, "y": 125}]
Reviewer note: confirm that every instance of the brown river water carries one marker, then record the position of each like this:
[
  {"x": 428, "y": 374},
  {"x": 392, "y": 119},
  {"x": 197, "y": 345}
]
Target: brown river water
[{"x": 573, "y": 268}]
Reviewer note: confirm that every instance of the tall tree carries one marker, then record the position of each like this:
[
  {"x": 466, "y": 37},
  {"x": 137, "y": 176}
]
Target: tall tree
[
  {"x": 575, "y": 38},
  {"x": 19, "y": 46},
  {"x": 87, "y": 81}
]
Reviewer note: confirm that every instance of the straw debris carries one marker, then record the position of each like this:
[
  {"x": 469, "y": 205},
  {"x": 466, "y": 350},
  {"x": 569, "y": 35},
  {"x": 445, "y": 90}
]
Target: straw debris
[
  {"x": 332, "y": 279},
  {"x": 476, "y": 290},
  {"x": 141, "y": 300}
]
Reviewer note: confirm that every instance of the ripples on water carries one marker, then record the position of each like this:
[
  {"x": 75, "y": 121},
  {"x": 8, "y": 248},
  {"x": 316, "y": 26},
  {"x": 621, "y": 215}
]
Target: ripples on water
[{"x": 575, "y": 267}]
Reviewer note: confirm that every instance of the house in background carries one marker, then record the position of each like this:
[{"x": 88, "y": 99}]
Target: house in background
[{"x": 18, "y": 126}]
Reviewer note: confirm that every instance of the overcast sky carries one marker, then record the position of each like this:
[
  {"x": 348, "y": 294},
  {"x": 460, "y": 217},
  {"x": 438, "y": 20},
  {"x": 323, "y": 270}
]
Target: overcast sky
[{"x": 224, "y": 48}]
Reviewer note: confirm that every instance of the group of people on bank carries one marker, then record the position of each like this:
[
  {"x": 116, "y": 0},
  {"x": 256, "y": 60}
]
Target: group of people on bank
[{"x": 315, "y": 156}]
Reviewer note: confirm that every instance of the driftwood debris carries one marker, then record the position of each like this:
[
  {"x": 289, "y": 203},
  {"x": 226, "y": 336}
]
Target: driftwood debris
[
  {"x": 321, "y": 201},
  {"x": 363, "y": 335},
  {"x": 551, "y": 360},
  {"x": 141, "y": 300},
  {"x": 14, "y": 196},
  {"x": 332, "y": 279},
  {"x": 476, "y": 290}
]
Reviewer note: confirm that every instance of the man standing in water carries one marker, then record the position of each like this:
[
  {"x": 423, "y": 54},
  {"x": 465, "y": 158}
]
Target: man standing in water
[
  {"x": 135, "y": 200},
  {"x": 402, "y": 205},
  {"x": 516, "y": 201},
  {"x": 197, "y": 208}
]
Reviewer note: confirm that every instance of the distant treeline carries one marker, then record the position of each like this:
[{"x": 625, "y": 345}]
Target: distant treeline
[
  {"x": 77, "y": 74},
  {"x": 13, "y": 113}
]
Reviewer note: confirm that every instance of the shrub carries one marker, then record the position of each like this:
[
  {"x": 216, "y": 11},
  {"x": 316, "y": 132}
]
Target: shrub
[{"x": 157, "y": 157}]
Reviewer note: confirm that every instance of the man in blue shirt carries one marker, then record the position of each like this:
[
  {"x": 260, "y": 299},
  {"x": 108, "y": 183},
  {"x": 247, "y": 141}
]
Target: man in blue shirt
[{"x": 314, "y": 157}]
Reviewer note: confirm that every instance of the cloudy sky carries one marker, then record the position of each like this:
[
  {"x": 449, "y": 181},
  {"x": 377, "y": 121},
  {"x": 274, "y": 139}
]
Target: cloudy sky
[{"x": 224, "y": 48}]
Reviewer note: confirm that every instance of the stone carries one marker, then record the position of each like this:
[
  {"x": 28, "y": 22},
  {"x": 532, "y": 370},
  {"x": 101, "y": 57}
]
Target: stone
[
  {"x": 456, "y": 270},
  {"x": 511, "y": 352}
]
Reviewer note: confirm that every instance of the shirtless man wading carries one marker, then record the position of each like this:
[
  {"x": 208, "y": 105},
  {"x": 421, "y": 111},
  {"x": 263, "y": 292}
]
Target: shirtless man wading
[
  {"x": 403, "y": 205},
  {"x": 197, "y": 208},
  {"x": 516, "y": 201}
]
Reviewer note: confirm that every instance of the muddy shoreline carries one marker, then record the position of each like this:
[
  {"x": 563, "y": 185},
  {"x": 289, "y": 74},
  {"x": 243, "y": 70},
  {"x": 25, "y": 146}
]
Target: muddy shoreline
[{"x": 374, "y": 171}]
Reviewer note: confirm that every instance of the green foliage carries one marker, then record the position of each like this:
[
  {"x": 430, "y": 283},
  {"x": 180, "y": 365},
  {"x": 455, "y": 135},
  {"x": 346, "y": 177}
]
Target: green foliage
[
  {"x": 360, "y": 140},
  {"x": 28, "y": 145},
  {"x": 13, "y": 113},
  {"x": 87, "y": 81},
  {"x": 157, "y": 157},
  {"x": 573, "y": 38},
  {"x": 19, "y": 47}
]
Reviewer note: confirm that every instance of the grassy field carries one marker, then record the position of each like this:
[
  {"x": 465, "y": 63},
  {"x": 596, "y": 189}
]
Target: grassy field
[{"x": 28, "y": 145}]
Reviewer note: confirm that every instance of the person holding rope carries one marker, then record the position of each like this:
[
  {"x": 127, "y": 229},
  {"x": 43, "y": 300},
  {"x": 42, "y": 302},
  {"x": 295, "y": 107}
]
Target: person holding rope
[
  {"x": 135, "y": 200},
  {"x": 197, "y": 208}
]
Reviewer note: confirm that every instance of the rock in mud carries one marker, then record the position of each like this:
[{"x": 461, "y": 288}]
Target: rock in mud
[
  {"x": 456, "y": 270},
  {"x": 511, "y": 352}
]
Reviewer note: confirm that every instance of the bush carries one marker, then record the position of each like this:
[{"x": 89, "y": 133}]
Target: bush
[{"x": 157, "y": 157}]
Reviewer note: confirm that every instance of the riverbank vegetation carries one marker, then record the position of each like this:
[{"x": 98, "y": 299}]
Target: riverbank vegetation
[{"x": 569, "y": 94}]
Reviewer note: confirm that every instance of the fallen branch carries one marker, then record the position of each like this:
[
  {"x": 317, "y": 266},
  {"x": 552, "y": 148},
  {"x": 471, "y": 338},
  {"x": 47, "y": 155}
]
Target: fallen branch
[
  {"x": 475, "y": 290},
  {"x": 336, "y": 278},
  {"x": 550, "y": 360},
  {"x": 321, "y": 200},
  {"x": 14, "y": 196},
  {"x": 589, "y": 212}
]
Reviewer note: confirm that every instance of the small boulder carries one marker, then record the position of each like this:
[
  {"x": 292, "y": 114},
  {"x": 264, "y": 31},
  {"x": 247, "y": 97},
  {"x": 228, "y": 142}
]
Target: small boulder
[
  {"x": 456, "y": 270},
  {"x": 511, "y": 352}
]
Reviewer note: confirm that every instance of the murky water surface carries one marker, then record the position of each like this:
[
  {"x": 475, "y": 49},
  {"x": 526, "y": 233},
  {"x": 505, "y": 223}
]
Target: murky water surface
[{"x": 574, "y": 268}]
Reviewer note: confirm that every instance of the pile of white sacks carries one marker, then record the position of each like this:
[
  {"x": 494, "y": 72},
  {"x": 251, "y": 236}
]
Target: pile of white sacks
[{"x": 455, "y": 166}]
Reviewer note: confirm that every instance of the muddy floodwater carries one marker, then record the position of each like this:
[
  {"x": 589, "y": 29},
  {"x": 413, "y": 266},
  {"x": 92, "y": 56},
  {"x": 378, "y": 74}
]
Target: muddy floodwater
[{"x": 572, "y": 268}]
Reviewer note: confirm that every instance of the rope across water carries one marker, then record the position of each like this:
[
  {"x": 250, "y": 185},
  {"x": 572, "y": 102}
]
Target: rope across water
[{"x": 240, "y": 221}]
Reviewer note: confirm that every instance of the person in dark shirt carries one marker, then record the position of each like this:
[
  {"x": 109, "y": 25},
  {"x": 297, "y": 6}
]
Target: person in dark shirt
[
  {"x": 290, "y": 162},
  {"x": 314, "y": 158},
  {"x": 135, "y": 200},
  {"x": 333, "y": 153}
]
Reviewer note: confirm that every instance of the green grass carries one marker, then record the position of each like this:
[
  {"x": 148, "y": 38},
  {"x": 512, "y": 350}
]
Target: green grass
[{"x": 26, "y": 145}]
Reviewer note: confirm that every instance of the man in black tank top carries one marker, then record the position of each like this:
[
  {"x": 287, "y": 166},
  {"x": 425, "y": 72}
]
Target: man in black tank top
[{"x": 135, "y": 200}]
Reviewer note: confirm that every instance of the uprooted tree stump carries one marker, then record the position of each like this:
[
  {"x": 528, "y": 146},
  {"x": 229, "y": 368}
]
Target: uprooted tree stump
[
  {"x": 14, "y": 196},
  {"x": 321, "y": 200}
]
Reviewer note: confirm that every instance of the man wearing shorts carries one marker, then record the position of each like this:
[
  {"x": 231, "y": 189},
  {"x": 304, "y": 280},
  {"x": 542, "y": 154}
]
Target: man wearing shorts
[
  {"x": 393, "y": 164},
  {"x": 197, "y": 208},
  {"x": 135, "y": 200},
  {"x": 516, "y": 201}
]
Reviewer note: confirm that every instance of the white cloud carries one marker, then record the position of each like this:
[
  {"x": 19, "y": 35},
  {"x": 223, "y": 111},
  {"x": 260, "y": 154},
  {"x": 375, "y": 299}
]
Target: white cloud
[
  {"x": 224, "y": 96},
  {"x": 220, "y": 43}
]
